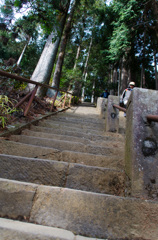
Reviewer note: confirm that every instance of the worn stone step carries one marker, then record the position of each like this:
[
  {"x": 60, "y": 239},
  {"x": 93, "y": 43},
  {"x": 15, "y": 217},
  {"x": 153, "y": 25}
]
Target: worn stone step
[
  {"x": 61, "y": 174},
  {"x": 25, "y": 150},
  {"x": 83, "y": 213},
  {"x": 92, "y": 137},
  {"x": 79, "y": 118},
  {"x": 115, "y": 162},
  {"x": 32, "y": 151},
  {"x": 55, "y": 136},
  {"x": 11, "y": 230},
  {"x": 66, "y": 123},
  {"x": 66, "y": 145},
  {"x": 50, "y": 124},
  {"x": 110, "y": 142},
  {"x": 16, "y": 230},
  {"x": 70, "y": 119}
]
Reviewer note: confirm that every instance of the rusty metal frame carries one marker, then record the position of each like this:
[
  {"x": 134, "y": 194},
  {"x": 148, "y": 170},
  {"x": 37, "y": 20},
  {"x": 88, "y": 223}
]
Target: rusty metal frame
[
  {"x": 64, "y": 100},
  {"x": 32, "y": 94},
  {"x": 120, "y": 108},
  {"x": 70, "y": 98},
  {"x": 30, "y": 101},
  {"x": 54, "y": 101},
  {"x": 23, "y": 100},
  {"x": 151, "y": 118}
]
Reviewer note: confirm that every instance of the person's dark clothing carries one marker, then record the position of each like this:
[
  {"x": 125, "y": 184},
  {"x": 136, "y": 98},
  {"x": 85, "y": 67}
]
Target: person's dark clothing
[{"x": 105, "y": 94}]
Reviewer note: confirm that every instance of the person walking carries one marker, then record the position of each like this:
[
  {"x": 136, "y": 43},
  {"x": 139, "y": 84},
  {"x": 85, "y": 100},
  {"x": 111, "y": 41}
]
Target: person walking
[{"x": 126, "y": 94}]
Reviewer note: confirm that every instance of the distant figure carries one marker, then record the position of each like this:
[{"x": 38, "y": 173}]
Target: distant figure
[
  {"x": 126, "y": 94},
  {"x": 105, "y": 94}
]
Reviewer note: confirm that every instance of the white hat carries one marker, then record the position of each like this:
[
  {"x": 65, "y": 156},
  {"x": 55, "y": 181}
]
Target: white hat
[{"x": 132, "y": 83}]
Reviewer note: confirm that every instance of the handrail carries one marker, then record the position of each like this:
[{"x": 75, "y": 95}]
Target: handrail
[
  {"x": 32, "y": 94},
  {"x": 150, "y": 118},
  {"x": 22, "y": 79},
  {"x": 120, "y": 108}
]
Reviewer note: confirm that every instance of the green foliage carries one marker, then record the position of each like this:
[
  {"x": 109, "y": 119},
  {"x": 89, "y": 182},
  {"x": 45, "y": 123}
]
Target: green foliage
[
  {"x": 6, "y": 109},
  {"x": 75, "y": 100},
  {"x": 119, "y": 43},
  {"x": 8, "y": 83},
  {"x": 69, "y": 77},
  {"x": 125, "y": 29}
]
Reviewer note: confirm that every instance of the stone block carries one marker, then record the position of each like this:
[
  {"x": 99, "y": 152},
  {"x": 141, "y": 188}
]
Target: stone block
[
  {"x": 55, "y": 136},
  {"x": 95, "y": 215},
  {"x": 83, "y": 213},
  {"x": 15, "y": 230},
  {"x": 95, "y": 179},
  {"x": 112, "y": 114},
  {"x": 102, "y": 106},
  {"x": 36, "y": 170},
  {"x": 16, "y": 199},
  {"x": 65, "y": 145},
  {"x": 116, "y": 161},
  {"x": 141, "y": 147},
  {"x": 25, "y": 150}
]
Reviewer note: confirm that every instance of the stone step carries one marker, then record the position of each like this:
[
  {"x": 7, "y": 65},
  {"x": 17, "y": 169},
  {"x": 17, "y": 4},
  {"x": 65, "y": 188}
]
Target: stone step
[
  {"x": 83, "y": 213},
  {"x": 115, "y": 162},
  {"x": 11, "y": 230},
  {"x": 79, "y": 118},
  {"x": 75, "y": 119},
  {"x": 50, "y": 124},
  {"x": 111, "y": 142},
  {"x": 55, "y": 136},
  {"x": 66, "y": 145},
  {"x": 32, "y": 151},
  {"x": 66, "y": 123},
  {"x": 16, "y": 230},
  {"x": 92, "y": 137},
  {"x": 61, "y": 174}
]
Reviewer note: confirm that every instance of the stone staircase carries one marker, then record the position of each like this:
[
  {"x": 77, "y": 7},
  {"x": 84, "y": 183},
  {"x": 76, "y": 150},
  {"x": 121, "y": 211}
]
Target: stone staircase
[{"x": 64, "y": 179}]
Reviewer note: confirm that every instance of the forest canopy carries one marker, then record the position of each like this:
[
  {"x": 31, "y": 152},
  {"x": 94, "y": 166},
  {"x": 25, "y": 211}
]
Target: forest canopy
[{"x": 82, "y": 44}]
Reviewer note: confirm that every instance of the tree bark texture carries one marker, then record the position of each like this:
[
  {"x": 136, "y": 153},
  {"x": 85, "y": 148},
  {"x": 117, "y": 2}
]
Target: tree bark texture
[
  {"x": 43, "y": 70},
  {"x": 22, "y": 54},
  {"x": 59, "y": 64},
  {"x": 124, "y": 76}
]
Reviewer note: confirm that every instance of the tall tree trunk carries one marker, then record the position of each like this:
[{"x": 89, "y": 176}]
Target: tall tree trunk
[
  {"x": 154, "y": 7},
  {"x": 84, "y": 76},
  {"x": 92, "y": 97},
  {"x": 142, "y": 76},
  {"x": 74, "y": 68},
  {"x": 143, "y": 83},
  {"x": 124, "y": 76},
  {"x": 43, "y": 70},
  {"x": 115, "y": 74},
  {"x": 77, "y": 56},
  {"x": 22, "y": 54},
  {"x": 155, "y": 66},
  {"x": 58, "y": 69},
  {"x": 76, "y": 83}
]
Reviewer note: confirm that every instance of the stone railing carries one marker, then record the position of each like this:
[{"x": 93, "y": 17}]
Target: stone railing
[{"x": 141, "y": 140}]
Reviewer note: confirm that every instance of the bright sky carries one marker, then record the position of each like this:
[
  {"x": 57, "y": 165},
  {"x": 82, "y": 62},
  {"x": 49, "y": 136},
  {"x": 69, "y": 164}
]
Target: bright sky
[{"x": 108, "y": 2}]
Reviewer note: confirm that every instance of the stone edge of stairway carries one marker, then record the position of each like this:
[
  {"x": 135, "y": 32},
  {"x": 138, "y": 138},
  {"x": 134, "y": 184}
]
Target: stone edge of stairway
[
  {"x": 11, "y": 228},
  {"x": 18, "y": 129}
]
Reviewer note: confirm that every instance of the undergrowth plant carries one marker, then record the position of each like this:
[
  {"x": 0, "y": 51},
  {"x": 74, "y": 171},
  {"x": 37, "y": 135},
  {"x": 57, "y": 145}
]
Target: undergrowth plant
[{"x": 6, "y": 110}]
